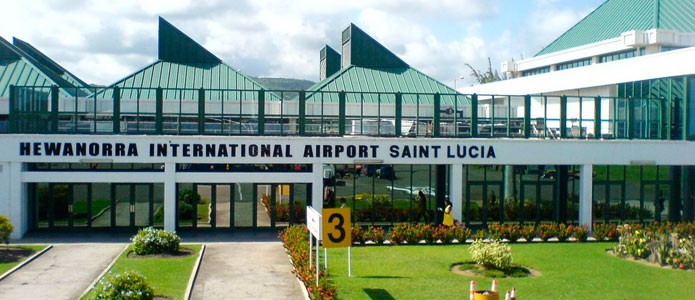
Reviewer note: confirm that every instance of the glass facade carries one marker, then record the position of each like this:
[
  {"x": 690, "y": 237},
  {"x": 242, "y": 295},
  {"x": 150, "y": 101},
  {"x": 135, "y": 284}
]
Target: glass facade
[
  {"x": 574, "y": 64},
  {"x": 536, "y": 71}
]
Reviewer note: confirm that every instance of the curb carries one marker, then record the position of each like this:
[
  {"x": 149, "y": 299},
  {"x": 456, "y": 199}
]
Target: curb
[
  {"x": 94, "y": 282},
  {"x": 22, "y": 264},
  {"x": 301, "y": 284},
  {"x": 194, "y": 274}
]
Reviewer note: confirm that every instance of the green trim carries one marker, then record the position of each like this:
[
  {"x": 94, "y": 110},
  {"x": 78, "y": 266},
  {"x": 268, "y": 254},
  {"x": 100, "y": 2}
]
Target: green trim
[
  {"x": 341, "y": 113},
  {"x": 201, "y": 111},
  {"x": 302, "y": 114},
  {"x": 261, "y": 111},
  {"x": 437, "y": 113},
  {"x": 54, "y": 108},
  {"x": 563, "y": 117},
  {"x": 597, "y": 118},
  {"x": 399, "y": 114},
  {"x": 159, "y": 105},
  {"x": 527, "y": 116},
  {"x": 116, "y": 110},
  {"x": 474, "y": 115}
]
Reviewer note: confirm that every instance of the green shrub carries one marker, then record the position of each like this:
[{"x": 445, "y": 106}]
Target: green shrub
[
  {"x": 461, "y": 233},
  {"x": 357, "y": 234},
  {"x": 189, "y": 196},
  {"x": 564, "y": 232},
  {"x": 155, "y": 241},
  {"x": 185, "y": 211},
  {"x": 124, "y": 286},
  {"x": 528, "y": 232},
  {"x": 6, "y": 229},
  {"x": 375, "y": 234},
  {"x": 546, "y": 231},
  {"x": 491, "y": 255},
  {"x": 580, "y": 233}
]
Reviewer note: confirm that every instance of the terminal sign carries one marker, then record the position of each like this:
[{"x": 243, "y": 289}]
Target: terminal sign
[
  {"x": 313, "y": 222},
  {"x": 337, "y": 227}
]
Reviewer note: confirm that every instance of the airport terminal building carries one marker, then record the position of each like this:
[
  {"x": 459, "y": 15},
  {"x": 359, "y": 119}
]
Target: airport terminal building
[{"x": 597, "y": 127}]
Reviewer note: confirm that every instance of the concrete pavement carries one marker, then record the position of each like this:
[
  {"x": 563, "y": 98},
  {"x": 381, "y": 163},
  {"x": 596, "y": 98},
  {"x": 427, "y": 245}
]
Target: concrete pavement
[
  {"x": 61, "y": 273},
  {"x": 246, "y": 270}
]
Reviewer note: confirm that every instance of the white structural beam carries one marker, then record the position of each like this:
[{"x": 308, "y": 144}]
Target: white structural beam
[
  {"x": 317, "y": 186},
  {"x": 87, "y": 176},
  {"x": 18, "y": 202},
  {"x": 456, "y": 191},
  {"x": 585, "y": 195},
  {"x": 659, "y": 65},
  {"x": 259, "y": 177},
  {"x": 169, "y": 196}
]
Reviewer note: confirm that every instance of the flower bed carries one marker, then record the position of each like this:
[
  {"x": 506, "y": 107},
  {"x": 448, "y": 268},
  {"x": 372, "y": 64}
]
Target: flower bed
[
  {"x": 296, "y": 241},
  {"x": 663, "y": 244}
]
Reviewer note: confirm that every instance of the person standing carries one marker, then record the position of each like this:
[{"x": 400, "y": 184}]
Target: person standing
[
  {"x": 421, "y": 211},
  {"x": 448, "y": 217}
]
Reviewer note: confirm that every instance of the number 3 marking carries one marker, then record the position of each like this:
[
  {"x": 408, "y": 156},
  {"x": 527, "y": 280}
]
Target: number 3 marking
[{"x": 339, "y": 227}]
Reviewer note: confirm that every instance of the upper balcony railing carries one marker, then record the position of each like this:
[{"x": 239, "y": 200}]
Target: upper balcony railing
[{"x": 41, "y": 109}]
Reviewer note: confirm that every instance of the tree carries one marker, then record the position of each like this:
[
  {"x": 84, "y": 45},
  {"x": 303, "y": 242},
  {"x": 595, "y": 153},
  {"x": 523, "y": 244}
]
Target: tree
[
  {"x": 6, "y": 229},
  {"x": 485, "y": 77}
]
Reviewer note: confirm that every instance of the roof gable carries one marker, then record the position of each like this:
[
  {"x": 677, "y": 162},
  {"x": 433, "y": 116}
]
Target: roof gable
[
  {"x": 614, "y": 17},
  {"x": 176, "y": 46}
]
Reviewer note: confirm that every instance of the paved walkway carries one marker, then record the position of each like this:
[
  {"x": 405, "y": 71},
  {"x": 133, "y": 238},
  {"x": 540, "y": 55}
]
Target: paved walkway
[
  {"x": 61, "y": 273},
  {"x": 246, "y": 270}
]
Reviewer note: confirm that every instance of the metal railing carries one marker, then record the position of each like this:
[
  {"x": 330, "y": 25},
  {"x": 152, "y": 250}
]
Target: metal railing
[{"x": 51, "y": 109}]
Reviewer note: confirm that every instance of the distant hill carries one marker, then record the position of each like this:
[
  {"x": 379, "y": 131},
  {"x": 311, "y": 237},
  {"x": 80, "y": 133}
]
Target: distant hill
[{"x": 284, "y": 84}]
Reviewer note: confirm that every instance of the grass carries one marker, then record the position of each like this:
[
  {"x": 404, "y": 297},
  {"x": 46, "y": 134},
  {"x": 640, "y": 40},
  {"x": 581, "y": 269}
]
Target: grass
[
  {"x": 4, "y": 267},
  {"x": 568, "y": 271},
  {"x": 167, "y": 276}
]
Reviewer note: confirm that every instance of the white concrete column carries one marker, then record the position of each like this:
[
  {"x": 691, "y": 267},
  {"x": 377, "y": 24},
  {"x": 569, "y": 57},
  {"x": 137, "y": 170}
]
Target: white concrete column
[
  {"x": 18, "y": 213},
  {"x": 170, "y": 196},
  {"x": 5, "y": 189},
  {"x": 456, "y": 191},
  {"x": 585, "y": 195},
  {"x": 317, "y": 186}
]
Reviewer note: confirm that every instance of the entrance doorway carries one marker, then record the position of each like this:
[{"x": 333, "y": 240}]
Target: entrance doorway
[{"x": 230, "y": 206}]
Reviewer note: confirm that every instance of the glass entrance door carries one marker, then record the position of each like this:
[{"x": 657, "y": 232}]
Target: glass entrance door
[
  {"x": 483, "y": 202},
  {"x": 132, "y": 205}
]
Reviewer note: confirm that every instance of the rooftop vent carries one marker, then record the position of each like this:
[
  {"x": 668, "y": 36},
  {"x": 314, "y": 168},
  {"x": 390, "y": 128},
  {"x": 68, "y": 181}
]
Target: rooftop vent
[
  {"x": 330, "y": 62},
  {"x": 360, "y": 49}
]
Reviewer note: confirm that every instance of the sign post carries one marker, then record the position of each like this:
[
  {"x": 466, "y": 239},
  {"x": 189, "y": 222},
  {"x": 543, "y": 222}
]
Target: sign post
[
  {"x": 313, "y": 223},
  {"x": 337, "y": 232}
]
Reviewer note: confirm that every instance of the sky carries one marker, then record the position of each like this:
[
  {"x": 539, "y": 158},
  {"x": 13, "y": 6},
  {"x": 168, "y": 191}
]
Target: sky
[{"x": 104, "y": 41}]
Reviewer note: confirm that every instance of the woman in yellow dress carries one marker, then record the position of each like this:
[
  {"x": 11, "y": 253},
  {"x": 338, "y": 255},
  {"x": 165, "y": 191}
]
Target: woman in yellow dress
[{"x": 448, "y": 217}]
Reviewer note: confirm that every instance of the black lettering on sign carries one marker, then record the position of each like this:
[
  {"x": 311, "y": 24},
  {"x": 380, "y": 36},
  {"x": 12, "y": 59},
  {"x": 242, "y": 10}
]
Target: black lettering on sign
[{"x": 338, "y": 227}]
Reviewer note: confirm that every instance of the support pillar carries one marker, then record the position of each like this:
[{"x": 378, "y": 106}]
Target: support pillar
[
  {"x": 456, "y": 191},
  {"x": 508, "y": 182},
  {"x": 674, "y": 203},
  {"x": 170, "y": 196},
  {"x": 317, "y": 187},
  {"x": 18, "y": 213},
  {"x": 440, "y": 195},
  {"x": 585, "y": 195}
]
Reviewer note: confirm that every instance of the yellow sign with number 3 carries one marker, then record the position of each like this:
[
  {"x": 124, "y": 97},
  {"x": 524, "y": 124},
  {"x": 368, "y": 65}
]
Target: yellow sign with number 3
[{"x": 337, "y": 228}]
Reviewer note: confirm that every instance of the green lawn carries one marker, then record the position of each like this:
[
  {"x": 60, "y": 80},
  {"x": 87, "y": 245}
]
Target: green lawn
[
  {"x": 167, "y": 276},
  {"x": 4, "y": 267},
  {"x": 569, "y": 271}
]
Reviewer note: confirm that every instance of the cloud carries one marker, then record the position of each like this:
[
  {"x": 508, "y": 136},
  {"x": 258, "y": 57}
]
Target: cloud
[{"x": 104, "y": 41}]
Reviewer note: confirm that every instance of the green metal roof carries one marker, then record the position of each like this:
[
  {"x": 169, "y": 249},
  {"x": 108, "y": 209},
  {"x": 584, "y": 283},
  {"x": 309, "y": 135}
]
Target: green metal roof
[
  {"x": 176, "y": 76},
  {"x": 21, "y": 69},
  {"x": 369, "y": 69},
  {"x": 614, "y": 17},
  {"x": 182, "y": 72}
]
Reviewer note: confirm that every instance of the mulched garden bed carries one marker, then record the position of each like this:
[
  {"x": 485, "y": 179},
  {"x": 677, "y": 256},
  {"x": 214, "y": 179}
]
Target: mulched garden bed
[
  {"x": 183, "y": 252},
  {"x": 646, "y": 262},
  {"x": 14, "y": 254},
  {"x": 471, "y": 269}
]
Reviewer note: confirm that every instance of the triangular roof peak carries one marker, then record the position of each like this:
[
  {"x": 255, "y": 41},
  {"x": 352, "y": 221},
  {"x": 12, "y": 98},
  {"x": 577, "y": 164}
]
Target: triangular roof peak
[
  {"x": 175, "y": 46},
  {"x": 360, "y": 49},
  {"x": 614, "y": 17}
]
